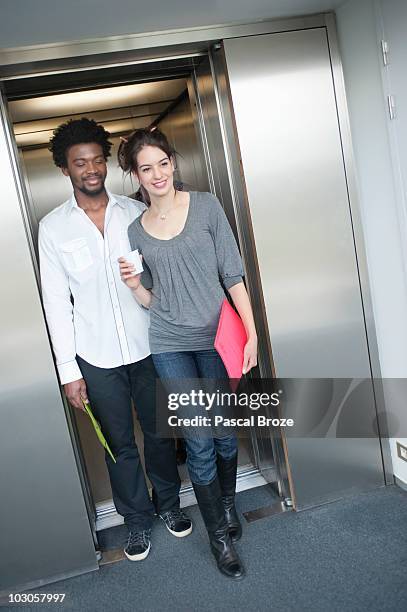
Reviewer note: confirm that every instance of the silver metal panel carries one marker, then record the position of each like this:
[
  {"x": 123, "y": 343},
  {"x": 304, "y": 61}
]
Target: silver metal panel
[
  {"x": 284, "y": 104},
  {"x": 292, "y": 160},
  {"x": 38, "y": 473},
  {"x": 276, "y": 508},
  {"x": 239, "y": 208},
  {"x": 152, "y": 44},
  {"x": 179, "y": 127},
  {"x": 211, "y": 135}
]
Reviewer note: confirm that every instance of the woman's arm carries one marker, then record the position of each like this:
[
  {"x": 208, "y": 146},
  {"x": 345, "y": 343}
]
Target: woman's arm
[
  {"x": 133, "y": 281},
  {"x": 231, "y": 271},
  {"x": 142, "y": 295},
  {"x": 241, "y": 300}
]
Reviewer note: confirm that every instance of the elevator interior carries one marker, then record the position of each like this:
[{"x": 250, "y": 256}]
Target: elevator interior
[{"x": 162, "y": 96}]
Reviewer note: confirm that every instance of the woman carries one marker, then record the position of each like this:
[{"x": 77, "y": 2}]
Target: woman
[{"x": 188, "y": 246}]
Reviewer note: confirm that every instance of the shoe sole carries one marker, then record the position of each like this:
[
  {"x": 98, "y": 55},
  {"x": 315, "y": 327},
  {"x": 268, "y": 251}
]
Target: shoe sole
[
  {"x": 178, "y": 534},
  {"x": 140, "y": 556},
  {"x": 241, "y": 577}
]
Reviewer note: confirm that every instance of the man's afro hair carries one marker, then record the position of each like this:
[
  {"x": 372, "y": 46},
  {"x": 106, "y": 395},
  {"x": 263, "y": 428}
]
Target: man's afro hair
[{"x": 77, "y": 131}]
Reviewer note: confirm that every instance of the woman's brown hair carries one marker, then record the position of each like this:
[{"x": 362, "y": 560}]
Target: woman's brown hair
[{"x": 131, "y": 146}]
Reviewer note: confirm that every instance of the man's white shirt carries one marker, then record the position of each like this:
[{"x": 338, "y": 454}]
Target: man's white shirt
[{"x": 104, "y": 325}]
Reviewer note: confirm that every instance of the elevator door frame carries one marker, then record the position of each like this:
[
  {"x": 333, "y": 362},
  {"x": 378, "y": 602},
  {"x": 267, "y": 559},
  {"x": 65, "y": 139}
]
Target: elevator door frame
[
  {"x": 103, "y": 514},
  {"x": 23, "y": 63}
]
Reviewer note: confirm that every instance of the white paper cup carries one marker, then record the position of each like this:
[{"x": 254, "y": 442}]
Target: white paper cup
[{"x": 135, "y": 259}]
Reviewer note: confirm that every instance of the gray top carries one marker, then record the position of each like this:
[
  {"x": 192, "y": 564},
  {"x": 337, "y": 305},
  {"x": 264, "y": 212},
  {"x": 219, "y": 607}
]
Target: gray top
[{"x": 184, "y": 274}]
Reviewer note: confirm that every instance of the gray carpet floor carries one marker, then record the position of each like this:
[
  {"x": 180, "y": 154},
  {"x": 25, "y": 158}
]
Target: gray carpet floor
[{"x": 350, "y": 555}]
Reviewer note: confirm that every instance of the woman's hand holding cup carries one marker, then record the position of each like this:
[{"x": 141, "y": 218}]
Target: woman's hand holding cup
[{"x": 129, "y": 272}]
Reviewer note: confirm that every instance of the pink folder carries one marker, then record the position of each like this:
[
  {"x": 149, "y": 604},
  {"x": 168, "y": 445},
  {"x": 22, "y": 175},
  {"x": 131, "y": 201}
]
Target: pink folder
[{"x": 230, "y": 340}]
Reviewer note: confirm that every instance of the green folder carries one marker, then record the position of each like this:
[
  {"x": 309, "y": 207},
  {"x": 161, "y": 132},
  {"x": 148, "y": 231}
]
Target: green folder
[{"x": 96, "y": 427}]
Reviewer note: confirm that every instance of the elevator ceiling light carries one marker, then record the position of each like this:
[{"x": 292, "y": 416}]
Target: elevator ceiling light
[{"x": 86, "y": 102}]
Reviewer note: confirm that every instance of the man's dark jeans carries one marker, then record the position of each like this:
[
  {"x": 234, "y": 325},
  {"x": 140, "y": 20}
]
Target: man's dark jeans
[{"x": 110, "y": 391}]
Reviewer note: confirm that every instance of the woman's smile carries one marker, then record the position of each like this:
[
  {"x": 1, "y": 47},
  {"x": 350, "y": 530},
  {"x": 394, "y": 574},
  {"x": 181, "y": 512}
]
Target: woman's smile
[{"x": 160, "y": 184}]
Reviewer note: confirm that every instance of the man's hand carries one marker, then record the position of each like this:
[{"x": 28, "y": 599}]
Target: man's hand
[{"x": 76, "y": 392}]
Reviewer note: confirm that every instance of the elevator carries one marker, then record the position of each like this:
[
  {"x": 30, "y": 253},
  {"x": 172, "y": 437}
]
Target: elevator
[
  {"x": 258, "y": 117},
  {"x": 169, "y": 98}
]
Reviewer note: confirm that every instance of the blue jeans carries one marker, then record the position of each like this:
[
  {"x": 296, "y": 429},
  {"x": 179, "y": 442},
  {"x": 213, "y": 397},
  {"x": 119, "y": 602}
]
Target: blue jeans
[{"x": 201, "y": 450}]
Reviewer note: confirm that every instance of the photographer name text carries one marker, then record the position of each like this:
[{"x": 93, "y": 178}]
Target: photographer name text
[{"x": 207, "y": 421}]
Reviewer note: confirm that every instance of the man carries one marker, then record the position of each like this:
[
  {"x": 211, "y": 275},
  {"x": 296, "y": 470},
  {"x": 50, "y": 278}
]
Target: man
[{"x": 100, "y": 334}]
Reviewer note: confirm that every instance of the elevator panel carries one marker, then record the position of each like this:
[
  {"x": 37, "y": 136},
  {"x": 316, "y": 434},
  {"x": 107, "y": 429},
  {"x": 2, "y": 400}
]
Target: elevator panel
[
  {"x": 42, "y": 499},
  {"x": 284, "y": 102}
]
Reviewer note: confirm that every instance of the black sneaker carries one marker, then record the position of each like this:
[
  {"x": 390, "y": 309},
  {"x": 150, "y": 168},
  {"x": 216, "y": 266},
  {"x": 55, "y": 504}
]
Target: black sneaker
[
  {"x": 177, "y": 522},
  {"x": 138, "y": 545}
]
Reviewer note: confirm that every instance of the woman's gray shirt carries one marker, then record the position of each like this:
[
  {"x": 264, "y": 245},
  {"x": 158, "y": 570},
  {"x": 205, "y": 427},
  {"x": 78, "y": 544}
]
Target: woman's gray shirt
[{"x": 185, "y": 276}]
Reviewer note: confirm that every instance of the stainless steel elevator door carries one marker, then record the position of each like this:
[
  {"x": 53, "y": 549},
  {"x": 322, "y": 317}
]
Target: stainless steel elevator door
[
  {"x": 287, "y": 124},
  {"x": 283, "y": 95},
  {"x": 45, "y": 529}
]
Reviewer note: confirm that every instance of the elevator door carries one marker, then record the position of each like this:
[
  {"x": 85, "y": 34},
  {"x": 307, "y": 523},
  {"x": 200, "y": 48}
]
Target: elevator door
[
  {"x": 45, "y": 526},
  {"x": 34, "y": 119},
  {"x": 284, "y": 101}
]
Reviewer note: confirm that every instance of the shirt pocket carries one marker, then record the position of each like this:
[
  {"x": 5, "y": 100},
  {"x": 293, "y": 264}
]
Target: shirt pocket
[{"x": 76, "y": 254}]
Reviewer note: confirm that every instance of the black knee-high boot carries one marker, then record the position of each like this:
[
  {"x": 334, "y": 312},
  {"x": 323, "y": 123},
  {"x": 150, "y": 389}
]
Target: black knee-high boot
[
  {"x": 209, "y": 498},
  {"x": 227, "y": 469}
]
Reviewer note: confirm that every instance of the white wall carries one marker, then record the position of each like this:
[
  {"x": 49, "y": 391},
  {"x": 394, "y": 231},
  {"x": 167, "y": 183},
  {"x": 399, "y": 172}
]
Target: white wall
[
  {"x": 382, "y": 216},
  {"x": 392, "y": 17}
]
